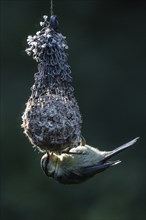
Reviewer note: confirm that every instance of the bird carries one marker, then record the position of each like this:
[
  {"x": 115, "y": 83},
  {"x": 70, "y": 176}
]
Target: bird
[{"x": 79, "y": 163}]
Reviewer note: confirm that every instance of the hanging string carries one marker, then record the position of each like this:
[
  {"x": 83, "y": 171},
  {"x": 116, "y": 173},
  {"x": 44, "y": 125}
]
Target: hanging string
[{"x": 51, "y": 7}]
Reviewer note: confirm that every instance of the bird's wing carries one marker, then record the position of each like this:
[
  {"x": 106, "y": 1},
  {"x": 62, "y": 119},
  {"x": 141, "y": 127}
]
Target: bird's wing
[
  {"x": 97, "y": 168},
  {"x": 74, "y": 176}
]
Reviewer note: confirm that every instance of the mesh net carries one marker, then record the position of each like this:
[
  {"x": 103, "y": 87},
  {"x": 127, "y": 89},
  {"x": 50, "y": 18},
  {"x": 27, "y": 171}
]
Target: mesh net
[{"x": 52, "y": 119}]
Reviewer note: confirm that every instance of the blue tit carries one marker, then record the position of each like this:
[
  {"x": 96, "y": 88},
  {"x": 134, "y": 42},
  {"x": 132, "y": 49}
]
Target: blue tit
[{"x": 79, "y": 163}]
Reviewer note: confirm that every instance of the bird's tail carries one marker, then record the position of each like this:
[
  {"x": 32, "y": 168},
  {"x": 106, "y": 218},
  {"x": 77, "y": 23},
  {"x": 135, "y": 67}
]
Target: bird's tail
[{"x": 119, "y": 149}]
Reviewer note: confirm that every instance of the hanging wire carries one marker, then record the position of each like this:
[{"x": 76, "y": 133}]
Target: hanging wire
[{"x": 51, "y": 7}]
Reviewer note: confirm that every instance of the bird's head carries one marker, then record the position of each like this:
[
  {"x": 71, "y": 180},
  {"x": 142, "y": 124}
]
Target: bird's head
[{"x": 48, "y": 163}]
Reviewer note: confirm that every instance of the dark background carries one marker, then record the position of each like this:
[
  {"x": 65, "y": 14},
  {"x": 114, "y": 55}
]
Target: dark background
[{"x": 107, "y": 55}]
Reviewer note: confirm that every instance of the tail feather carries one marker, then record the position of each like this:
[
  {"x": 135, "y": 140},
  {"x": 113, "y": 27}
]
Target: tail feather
[{"x": 120, "y": 149}]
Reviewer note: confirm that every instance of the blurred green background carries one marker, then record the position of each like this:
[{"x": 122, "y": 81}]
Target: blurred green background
[{"x": 107, "y": 56}]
